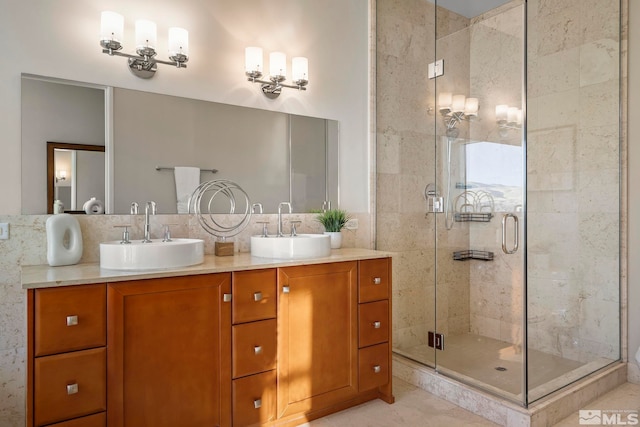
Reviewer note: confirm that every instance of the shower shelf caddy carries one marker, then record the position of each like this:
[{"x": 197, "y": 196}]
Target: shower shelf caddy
[
  {"x": 472, "y": 216},
  {"x": 473, "y": 254}
]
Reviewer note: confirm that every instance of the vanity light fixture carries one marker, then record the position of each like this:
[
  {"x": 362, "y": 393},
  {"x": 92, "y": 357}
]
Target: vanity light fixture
[
  {"x": 456, "y": 108},
  {"x": 508, "y": 118},
  {"x": 61, "y": 175},
  {"x": 144, "y": 64},
  {"x": 277, "y": 71}
]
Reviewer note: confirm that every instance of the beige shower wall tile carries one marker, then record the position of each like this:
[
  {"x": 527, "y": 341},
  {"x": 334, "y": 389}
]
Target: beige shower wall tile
[
  {"x": 557, "y": 27},
  {"x": 558, "y": 109},
  {"x": 599, "y": 104},
  {"x": 599, "y": 19},
  {"x": 599, "y": 61},
  {"x": 413, "y": 306},
  {"x": 599, "y": 191},
  {"x": 553, "y": 73},
  {"x": 599, "y": 148},
  {"x": 12, "y": 387},
  {"x": 388, "y": 153},
  {"x": 413, "y": 269},
  {"x": 388, "y": 198}
]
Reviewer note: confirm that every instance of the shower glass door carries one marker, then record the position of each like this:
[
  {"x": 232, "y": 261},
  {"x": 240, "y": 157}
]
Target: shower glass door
[{"x": 480, "y": 158}]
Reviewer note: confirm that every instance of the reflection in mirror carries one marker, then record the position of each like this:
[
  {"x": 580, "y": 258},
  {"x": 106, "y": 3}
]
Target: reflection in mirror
[
  {"x": 58, "y": 111},
  {"x": 75, "y": 174},
  {"x": 273, "y": 156}
]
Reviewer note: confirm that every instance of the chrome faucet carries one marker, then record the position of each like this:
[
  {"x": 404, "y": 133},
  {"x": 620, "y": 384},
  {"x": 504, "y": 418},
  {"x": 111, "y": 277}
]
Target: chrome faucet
[
  {"x": 147, "y": 224},
  {"x": 280, "y": 216}
]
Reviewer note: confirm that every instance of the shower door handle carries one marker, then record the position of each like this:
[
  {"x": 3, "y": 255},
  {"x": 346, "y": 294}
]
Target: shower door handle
[{"x": 515, "y": 234}]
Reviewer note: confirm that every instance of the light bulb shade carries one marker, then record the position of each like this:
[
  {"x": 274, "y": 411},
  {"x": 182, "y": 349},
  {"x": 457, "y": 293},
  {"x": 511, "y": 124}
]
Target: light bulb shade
[
  {"x": 278, "y": 64},
  {"x": 471, "y": 107},
  {"x": 300, "y": 69},
  {"x": 512, "y": 115},
  {"x": 62, "y": 174},
  {"x": 146, "y": 34},
  {"x": 178, "y": 42},
  {"x": 457, "y": 103},
  {"x": 519, "y": 117},
  {"x": 501, "y": 113},
  {"x": 444, "y": 100},
  {"x": 111, "y": 26},
  {"x": 253, "y": 60}
]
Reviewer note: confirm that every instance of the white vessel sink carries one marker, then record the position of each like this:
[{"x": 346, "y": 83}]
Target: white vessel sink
[
  {"x": 287, "y": 247},
  {"x": 148, "y": 256}
]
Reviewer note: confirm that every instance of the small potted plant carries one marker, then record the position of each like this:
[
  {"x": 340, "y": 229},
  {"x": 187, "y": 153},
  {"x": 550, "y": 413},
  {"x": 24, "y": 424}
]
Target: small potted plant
[{"x": 333, "y": 221}]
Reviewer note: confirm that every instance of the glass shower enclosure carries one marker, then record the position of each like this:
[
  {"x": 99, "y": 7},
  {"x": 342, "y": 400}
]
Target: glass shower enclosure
[{"x": 497, "y": 187}]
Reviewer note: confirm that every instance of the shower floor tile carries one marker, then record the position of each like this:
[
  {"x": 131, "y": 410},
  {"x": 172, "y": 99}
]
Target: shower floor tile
[{"x": 493, "y": 363}]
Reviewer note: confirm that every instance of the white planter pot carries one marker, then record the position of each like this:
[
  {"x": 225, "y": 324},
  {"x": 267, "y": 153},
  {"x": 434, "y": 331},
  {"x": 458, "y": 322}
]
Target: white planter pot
[{"x": 336, "y": 239}]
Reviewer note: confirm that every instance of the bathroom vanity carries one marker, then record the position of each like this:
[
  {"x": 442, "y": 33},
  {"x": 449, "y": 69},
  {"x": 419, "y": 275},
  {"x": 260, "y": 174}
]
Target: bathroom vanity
[{"x": 233, "y": 341}]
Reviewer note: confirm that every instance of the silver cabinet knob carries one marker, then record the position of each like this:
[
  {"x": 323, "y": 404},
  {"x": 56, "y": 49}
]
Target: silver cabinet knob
[
  {"x": 257, "y": 296},
  {"x": 72, "y": 320},
  {"x": 285, "y": 289},
  {"x": 226, "y": 297},
  {"x": 377, "y": 325},
  {"x": 377, "y": 369},
  {"x": 72, "y": 388},
  {"x": 257, "y": 349},
  {"x": 257, "y": 403},
  {"x": 377, "y": 280}
]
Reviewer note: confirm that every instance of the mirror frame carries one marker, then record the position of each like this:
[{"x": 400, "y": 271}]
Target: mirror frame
[{"x": 51, "y": 173}]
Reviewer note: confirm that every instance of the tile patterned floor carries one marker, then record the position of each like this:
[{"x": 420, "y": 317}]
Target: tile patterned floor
[{"x": 415, "y": 407}]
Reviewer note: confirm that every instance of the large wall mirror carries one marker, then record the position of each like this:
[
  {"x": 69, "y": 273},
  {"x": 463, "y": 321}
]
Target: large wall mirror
[{"x": 273, "y": 156}]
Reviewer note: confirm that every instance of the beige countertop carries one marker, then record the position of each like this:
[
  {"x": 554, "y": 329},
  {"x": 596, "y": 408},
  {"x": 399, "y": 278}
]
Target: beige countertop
[{"x": 44, "y": 276}]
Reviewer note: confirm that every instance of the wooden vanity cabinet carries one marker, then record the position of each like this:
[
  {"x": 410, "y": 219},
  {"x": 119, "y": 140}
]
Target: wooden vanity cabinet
[
  {"x": 318, "y": 338},
  {"x": 66, "y": 355},
  {"x": 277, "y": 346},
  {"x": 254, "y": 348},
  {"x": 168, "y": 355}
]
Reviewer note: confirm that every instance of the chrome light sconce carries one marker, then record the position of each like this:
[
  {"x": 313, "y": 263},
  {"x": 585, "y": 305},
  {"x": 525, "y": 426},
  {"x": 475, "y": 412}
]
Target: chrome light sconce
[
  {"x": 456, "y": 108},
  {"x": 144, "y": 64},
  {"x": 277, "y": 71},
  {"x": 508, "y": 118}
]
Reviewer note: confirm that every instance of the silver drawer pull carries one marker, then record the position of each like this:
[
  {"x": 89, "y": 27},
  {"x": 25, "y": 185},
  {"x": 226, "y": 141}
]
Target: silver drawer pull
[
  {"x": 377, "y": 369},
  {"x": 226, "y": 297},
  {"x": 377, "y": 325},
  {"x": 285, "y": 289},
  {"x": 72, "y": 320},
  {"x": 257, "y": 349},
  {"x": 257, "y": 403},
  {"x": 257, "y": 296},
  {"x": 377, "y": 280},
  {"x": 72, "y": 388}
]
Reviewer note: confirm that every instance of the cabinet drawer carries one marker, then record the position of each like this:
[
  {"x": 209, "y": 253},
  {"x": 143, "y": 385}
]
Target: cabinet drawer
[
  {"x": 95, "y": 420},
  {"x": 373, "y": 366},
  {"x": 254, "y": 347},
  {"x": 373, "y": 323},
  {"x": 254, "y": 399},
  {"x": 69, "y": 318},
  {"x": 373, "y": 280},
  {"x": 56, "y": 398},
  {"x": 254, "y": 295}
]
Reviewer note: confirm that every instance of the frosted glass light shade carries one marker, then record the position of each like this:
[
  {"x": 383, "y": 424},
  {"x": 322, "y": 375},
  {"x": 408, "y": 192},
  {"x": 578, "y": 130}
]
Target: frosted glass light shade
[
  {"x": 111, "y": 26},
  {"x": 512, "y": 115},
  {"x": 300, "y": 69},
  {"x": 471, "y": 107},
  {"x": 501, "y": 112},
  {"x": 457, "y": 104},
  {"x": 178, "y": 41},
  {"x": 253, "y": 59},
  {"x": 444, "y": 100},
  {"x": 277, "y": 64},
  {"x": 519, "y": 117},
  {"x": 146, "y": 34}
]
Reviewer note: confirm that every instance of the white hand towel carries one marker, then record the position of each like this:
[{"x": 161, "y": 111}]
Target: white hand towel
[{"x": 187, "y": 180}]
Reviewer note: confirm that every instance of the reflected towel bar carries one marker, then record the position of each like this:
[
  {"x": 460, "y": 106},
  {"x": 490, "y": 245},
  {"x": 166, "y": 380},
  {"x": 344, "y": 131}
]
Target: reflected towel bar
[{"x": 201, "y": 170}]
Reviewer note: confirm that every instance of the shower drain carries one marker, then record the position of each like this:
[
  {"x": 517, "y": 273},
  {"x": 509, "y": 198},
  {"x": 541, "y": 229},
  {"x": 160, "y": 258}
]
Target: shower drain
[{"x": 500, "y": 368}]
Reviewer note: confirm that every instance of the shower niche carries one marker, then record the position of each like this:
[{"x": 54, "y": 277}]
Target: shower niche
[{"x": 498, "y": 162}]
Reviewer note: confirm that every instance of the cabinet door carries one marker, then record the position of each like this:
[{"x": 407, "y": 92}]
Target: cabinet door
[
  {"x": 168, "y": 352},
  {"x": 318, "y": 336}
]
